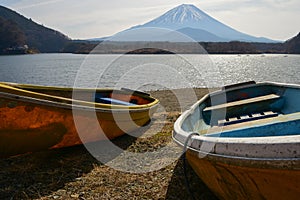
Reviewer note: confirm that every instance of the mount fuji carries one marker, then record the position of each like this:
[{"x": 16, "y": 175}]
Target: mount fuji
[{"x": 189, "y": 20}]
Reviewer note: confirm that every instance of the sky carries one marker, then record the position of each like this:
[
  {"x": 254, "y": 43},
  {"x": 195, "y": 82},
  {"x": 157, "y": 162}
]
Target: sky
[{"x": 84, "y": 19}]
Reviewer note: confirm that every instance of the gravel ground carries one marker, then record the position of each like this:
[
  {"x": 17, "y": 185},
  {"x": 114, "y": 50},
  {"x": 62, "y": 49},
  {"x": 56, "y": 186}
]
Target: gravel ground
[{"x": 73, "y": 173}]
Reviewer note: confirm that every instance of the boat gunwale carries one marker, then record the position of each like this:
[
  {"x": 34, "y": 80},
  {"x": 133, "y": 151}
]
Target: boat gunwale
[
  {"x": 74, "y": 103},
  {"x": 218, "y": 148}
]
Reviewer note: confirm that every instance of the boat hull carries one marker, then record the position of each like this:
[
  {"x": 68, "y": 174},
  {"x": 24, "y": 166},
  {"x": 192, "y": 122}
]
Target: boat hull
[
  {"x": 30, "y": 124},
  {"x": 236, "y": 178}
]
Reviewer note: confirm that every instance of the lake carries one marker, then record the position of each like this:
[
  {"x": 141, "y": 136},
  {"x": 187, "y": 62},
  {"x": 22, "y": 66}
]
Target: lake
[{"x": 148, "y": 72}]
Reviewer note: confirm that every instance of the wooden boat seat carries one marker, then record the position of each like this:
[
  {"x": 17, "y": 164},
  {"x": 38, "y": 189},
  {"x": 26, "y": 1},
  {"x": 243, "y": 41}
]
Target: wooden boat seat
[
  {"x": 274, "y": 126},
  {"x": 243, "y": 102},
  {"x": 107, "y": 100},
  {"x": 246, "y": 118},
  {"x": 244, "y": 110}
]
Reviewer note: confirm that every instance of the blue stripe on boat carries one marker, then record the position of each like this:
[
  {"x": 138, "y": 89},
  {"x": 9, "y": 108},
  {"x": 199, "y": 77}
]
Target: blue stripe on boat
[{"x": 107, "y": 100}]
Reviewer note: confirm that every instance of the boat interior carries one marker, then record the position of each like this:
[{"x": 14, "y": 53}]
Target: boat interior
[{"x": 259, "y": 110}]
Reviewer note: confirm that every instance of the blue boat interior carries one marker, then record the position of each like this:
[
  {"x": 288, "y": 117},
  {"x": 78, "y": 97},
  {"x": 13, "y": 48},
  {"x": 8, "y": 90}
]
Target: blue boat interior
[
  {"x": 101, "y": 98},
  {"x": 254, "y": 111}
]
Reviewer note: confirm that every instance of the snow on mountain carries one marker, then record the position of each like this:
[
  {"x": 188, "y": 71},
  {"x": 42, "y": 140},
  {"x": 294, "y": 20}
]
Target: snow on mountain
[{"x": 180, "y": 15}]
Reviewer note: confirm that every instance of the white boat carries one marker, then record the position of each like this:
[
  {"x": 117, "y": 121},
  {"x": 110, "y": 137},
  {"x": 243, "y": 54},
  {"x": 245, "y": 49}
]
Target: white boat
[{"x": 244, "y": 141}]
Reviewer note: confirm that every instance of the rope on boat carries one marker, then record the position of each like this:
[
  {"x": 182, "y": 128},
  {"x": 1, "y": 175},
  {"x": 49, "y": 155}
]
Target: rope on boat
[{"x": 187, "y": 184}]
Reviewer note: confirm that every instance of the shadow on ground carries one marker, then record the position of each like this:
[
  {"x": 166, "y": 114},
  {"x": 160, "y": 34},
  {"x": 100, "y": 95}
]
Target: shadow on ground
[
  {"x": 37, "y": 175},
  {"x": 178, "y": 190}
]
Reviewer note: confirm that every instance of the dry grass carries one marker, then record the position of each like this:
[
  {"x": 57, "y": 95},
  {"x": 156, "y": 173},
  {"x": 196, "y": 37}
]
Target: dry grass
[{"x": 72, "y": 173}]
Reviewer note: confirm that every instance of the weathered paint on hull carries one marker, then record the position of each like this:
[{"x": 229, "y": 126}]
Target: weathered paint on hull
[
  {"x": 29, "y": 126},
  {"x": 232, "y": 179}
]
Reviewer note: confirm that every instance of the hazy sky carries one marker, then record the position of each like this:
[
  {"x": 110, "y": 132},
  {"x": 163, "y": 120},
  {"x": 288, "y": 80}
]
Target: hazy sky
[{"x": 81, "y": 19}]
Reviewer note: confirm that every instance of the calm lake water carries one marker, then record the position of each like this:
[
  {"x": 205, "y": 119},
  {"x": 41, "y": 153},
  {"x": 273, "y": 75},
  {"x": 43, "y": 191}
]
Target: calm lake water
[{"x": 146, "y": 72}]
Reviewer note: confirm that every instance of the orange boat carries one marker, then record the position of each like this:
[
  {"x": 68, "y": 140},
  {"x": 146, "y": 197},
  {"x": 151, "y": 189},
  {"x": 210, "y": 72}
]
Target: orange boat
[
  {"x": 244, "y": 141},
  {"x": 35, "y": 118}
]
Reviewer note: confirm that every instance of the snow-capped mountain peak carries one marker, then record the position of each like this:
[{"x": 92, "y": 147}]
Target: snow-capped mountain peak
[
  {"x": 184, "y": 13},
  {"x": 183, "y": 16}
]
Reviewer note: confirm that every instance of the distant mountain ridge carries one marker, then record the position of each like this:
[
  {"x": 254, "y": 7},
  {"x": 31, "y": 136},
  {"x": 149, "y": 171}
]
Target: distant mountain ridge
[
  {"x": 293, "y": 45},
  {"x": 196, "y": 24},
  {"x": 34, "y": 35},
  {"x": 10, "y": 34}
]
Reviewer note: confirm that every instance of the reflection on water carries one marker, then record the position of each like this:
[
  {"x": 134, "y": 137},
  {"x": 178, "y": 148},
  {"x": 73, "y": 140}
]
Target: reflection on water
[{"x": 148, "y": 71}]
